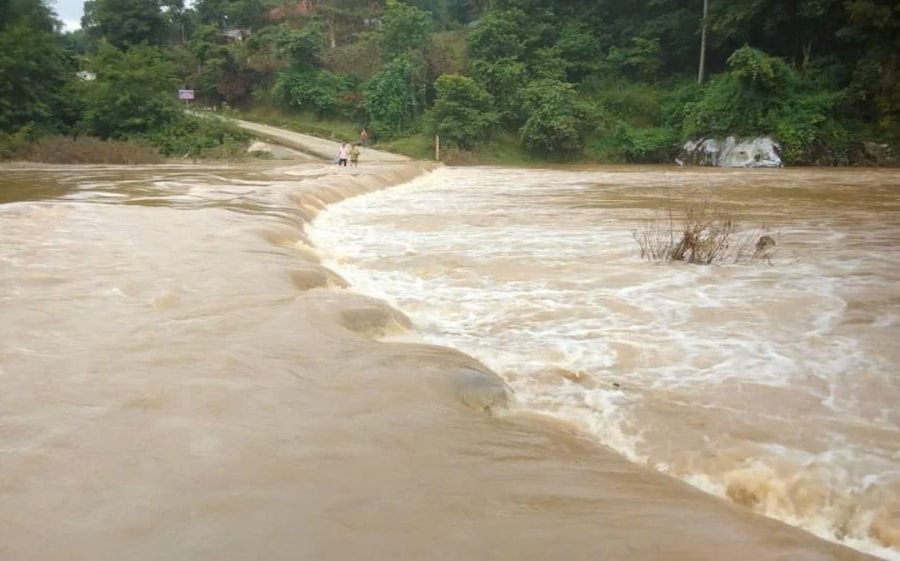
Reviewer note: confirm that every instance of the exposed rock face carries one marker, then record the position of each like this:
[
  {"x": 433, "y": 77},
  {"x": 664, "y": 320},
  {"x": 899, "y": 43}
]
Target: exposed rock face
[{"x": 732, "y": 153}]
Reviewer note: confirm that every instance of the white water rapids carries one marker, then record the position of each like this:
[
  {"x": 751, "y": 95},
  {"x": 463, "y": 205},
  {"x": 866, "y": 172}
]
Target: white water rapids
[{"x": 773, "y": 384}]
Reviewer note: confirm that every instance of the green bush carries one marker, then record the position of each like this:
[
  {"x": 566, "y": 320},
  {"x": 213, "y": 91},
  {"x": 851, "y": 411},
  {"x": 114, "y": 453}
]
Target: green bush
[
  {"x": 321, "y": 91},
  {"x": 395, "y": 97},
  {"x": 462, "y": 114},
  {"x": 763, "y": 96},
  {"x": 405, "y": 28},
  {"x": 134, "y": 93},
  {"x": 556, "y": 120},
  {"x": 303, "y": 47},
  {"x": 34, "y": 69},
  {"x": 640, "y": 60},
  {"x": 744, "y": 100},
  {"x": 648, "y": 145},
  {"x": 14, "y": 145},
  {"x": 505, "y": 79},
  {"x": 809, "y": 134},
  {"x": 623, "y": 143},
  {"x": 198, "y": 137},
  {"x": 637, "y": 104}
]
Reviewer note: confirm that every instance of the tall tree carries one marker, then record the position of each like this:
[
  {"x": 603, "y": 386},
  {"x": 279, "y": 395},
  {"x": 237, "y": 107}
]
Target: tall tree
[
  {"x": 125, "y": 23},
  {"x": 233, "y": 14},
  {"x": 395, "y": 97},
  {"x": 406, "y": 28},
  {"x": 874, "y": 26},
  {"x": 134, "y": 93},
  {"x": 33, "y": 66},
  {"x": 462, "y": 113}
]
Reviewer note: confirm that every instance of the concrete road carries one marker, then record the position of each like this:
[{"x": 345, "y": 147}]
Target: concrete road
[{"x": 319, "y": 147}]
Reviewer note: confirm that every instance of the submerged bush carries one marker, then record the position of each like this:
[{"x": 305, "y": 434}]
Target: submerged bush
[{"x": 702, "y": 233}]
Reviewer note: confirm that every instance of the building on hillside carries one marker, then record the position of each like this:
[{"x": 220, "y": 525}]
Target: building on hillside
[{"x": 235, "y": 35}]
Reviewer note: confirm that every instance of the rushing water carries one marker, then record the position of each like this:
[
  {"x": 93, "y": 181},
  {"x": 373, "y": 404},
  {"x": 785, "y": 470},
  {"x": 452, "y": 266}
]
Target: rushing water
[
  {"x": 776, "y": 383},
  {"x": 181, "y": 378}
]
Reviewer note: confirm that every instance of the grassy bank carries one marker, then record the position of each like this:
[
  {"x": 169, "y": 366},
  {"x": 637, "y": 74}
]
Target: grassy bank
[{"x": 183, "y": 139}]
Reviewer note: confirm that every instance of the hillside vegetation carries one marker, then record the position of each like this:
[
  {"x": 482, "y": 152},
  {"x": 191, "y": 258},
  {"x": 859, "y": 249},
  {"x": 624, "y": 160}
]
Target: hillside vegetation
[{"x": 498, "y": 80}]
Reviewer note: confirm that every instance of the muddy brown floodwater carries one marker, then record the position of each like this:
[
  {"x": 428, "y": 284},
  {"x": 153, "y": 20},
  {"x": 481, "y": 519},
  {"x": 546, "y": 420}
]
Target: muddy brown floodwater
[{"x": 187, "y": 375}]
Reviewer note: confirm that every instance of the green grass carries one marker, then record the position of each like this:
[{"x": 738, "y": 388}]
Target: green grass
[
  {"x": 419, "y": 146},
  {"x": 505, "y": 149}
]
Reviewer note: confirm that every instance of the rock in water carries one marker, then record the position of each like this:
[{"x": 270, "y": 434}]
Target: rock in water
[
  {"x": 765, "y": 242},
  {"x": 732, "y": 153}
]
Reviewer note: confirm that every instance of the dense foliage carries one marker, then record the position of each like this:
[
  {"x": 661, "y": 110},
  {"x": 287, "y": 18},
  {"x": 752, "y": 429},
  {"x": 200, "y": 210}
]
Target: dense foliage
[
  {"x": 462, "y": 112},
  {"x": 608, "y": 80},
  {"x": 117, "y": 82}
]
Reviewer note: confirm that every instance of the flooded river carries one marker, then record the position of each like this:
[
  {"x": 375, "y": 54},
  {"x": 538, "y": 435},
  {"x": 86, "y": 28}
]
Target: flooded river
[{"x": 476, "y": 364}]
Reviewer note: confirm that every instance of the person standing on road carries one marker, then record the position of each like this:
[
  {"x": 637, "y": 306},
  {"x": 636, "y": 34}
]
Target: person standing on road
[{"x": 343, "y": 154}]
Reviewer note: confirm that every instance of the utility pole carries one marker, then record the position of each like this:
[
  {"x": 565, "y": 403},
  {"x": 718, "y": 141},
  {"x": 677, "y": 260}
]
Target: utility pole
[{"x": 703, "y": 43}]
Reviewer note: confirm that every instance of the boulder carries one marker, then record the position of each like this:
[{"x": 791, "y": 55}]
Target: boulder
[{"x": 731, "y": 152}]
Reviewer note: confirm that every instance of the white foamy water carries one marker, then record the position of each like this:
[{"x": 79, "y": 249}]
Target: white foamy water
[{"x": 775, "y": 385}]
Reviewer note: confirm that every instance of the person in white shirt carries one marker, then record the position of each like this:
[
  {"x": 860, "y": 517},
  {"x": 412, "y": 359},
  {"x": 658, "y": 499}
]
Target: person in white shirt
[{"x": 343, "y": 154}]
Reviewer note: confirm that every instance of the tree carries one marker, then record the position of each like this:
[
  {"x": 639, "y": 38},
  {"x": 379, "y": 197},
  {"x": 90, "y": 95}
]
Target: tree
[
  {"x": 134, "y": 93},
  {"x": 303, "y": 47},
  {"x": 742, "y": 101},
  {"x": 125, "y": 23},
  {"x": 320, "y": 91},
  {"x": 395, "y": 97},
  {"x": 745, "y": 99},
  {"x": 556, "y": 122},
  {"x": 499, "y": 35},
  {"x": 505, "y": 79},
  {"x": 34, "y": 69},
  {"x": 405, "y": 28},
  {"x": 231, "y": 14},
  {"x": 580, "y": 50},
  {"x": 874, "y": 25},
  {"x": 701, "y": 72},
  {"x": 763, "y": 95},
  {"x": 791, "y": 30},
  {"x": 462, "y": 113}
]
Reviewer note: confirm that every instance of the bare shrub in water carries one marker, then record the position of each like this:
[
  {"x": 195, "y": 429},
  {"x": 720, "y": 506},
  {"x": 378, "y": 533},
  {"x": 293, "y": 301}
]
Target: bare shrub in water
[{"x": 700, "y": 232}]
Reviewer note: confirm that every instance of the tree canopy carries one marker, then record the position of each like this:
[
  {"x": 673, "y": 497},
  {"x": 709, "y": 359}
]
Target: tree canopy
[{"x": 597, "y": 79}]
